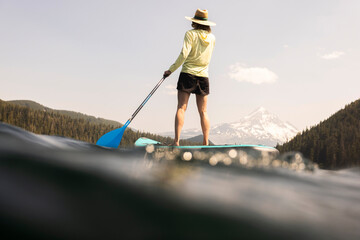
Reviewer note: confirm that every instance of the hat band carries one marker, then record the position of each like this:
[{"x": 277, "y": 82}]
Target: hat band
[{"x": 200, "y": 18}]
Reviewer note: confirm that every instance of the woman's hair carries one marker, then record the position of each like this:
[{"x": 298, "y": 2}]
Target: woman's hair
[{"x": 202, "y": 27}]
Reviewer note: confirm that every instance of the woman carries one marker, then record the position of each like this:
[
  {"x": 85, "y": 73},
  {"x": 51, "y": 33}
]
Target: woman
[{"x": 195, "y": 57}]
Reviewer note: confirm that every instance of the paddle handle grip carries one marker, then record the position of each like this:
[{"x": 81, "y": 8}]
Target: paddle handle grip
[{"x": 146, "y": 99}]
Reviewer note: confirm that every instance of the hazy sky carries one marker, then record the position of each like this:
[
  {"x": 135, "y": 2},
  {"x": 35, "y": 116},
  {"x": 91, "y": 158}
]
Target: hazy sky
[{"x": 298, "y": 59}]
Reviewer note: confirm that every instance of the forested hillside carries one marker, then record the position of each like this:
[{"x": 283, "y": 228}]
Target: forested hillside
[
  {"x": 51, "y": 122},
  {"x": 36, "y": 106},
  {"x": 333, "y": 143}
]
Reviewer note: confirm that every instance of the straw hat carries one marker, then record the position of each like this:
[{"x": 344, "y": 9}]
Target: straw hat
[{"x": 201, "y": 17}]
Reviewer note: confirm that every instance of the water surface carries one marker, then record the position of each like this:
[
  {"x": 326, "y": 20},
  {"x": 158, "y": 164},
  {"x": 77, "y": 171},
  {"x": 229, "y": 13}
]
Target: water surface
[{"x": 58, "y": 188}]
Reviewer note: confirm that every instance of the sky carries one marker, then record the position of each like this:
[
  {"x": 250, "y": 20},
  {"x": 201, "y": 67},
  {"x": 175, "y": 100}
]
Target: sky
[{"x": 298, "y": 59}]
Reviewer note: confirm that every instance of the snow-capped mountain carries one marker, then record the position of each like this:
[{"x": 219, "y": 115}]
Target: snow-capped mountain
[{"x": 259, "y": 127}]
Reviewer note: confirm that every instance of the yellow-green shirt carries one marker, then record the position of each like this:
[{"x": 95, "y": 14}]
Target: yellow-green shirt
[{"x": 196, "y": 53}]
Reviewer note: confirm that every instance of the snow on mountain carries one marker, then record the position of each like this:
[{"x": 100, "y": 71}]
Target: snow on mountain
[{"x": 259, "y": 127}]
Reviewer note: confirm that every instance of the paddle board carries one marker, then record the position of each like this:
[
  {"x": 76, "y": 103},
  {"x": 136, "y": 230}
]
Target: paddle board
[
  {"x": 143, "y": 142},
  {"x": 217, "y": 153}
]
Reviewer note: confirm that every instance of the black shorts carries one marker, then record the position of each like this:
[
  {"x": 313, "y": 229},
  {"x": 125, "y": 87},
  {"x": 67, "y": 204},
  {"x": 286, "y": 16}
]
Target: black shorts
[{"x": 193, "y": 84}]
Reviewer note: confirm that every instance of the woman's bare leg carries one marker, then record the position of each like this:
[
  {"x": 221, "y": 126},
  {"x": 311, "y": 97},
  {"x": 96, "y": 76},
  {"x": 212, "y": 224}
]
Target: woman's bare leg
[
  {"x": 183, "y": 98},
  {"x": 201, "y": 102}
]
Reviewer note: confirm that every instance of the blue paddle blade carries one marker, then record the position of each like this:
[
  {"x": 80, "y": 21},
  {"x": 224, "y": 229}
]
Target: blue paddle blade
[{"x": 112, "y": 139}]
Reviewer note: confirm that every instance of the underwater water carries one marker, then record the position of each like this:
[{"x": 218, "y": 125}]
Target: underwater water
[{"x": 58, "y": 188}]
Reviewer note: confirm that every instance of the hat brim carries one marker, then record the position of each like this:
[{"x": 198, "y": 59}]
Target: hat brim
[{"x": 201, "y": 22}]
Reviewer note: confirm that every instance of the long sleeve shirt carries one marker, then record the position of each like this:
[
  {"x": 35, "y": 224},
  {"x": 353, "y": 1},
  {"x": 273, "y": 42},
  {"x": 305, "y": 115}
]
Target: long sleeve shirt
[{"x": 196, "y": 53}]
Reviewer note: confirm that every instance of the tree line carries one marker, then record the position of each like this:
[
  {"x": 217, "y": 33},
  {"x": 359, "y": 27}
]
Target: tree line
[
  {"x": 333, "y": 143},
  {"x": 53, "y": 123}
]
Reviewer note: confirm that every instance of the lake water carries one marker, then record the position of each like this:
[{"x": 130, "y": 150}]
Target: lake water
[{"x": 58, "y": 188}]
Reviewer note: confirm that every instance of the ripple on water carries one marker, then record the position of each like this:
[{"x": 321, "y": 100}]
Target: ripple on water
[{"x": 246, "y": 158}]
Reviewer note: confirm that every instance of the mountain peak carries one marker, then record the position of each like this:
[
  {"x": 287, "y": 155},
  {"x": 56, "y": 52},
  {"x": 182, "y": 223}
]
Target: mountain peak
[
  {"x": 260, "y": 112},
  {"x": 261, "y": 109},
  {"x": 259, "y": 127}
]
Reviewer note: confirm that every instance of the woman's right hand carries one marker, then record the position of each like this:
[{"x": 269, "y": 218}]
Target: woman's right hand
[{"x": 167, "y": 73}]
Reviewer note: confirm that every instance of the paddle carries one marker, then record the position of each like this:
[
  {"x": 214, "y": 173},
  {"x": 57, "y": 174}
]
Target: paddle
[{"x": 113, "y": 138}]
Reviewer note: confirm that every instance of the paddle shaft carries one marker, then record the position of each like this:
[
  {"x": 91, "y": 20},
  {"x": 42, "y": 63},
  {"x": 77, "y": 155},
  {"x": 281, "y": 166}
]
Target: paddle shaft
[
  {"x": 145, "y": 101},
  {"x": 113, "y": 138}
]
